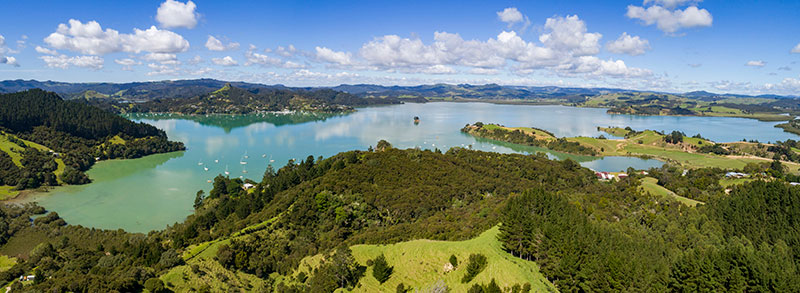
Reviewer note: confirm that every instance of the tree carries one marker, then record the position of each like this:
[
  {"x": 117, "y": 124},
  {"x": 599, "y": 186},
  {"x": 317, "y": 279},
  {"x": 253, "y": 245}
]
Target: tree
[
  {"x": 155, "y": 285},
  {"x": 475, "y": 265},
  {"x": 454, "y": 260},
  {"x": 198, "y": 199},
  {"x": 381, "y": 269}
]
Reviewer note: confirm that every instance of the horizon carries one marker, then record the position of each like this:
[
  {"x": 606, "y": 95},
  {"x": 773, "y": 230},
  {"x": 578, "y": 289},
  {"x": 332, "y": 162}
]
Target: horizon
[{"x": 673, "y": 46}]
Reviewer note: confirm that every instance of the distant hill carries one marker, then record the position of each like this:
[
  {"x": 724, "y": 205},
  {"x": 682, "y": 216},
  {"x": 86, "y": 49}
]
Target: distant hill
[
  {"x": 146, "y": 91},
  {"x": 236, "y": 100}
]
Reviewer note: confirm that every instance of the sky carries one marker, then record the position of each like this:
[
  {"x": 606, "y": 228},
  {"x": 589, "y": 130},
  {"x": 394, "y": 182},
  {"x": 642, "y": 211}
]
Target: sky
[{"x": 732, "y": 46}]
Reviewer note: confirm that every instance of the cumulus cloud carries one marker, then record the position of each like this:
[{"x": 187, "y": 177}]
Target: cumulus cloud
[
  {"x": 671, "y": 3},
  {"x": 569, "y": 33},
  {"x": 668, "y": 20},
  {"x": 287, "y": 51},
  {"x": 195, "y": 60},
  {"x": 64, "y": 61},
  {"x": 327, "y": 55},
  {"x": 174, "y": 14},
  {"x": 214, "y": 44},
  {"x": 510, "y": 16},
  {"x": 796, "y": 49},
  {"x": 9, "y": 60},
  {"x": 46, "y": 51},
  {"x": 563, "y": 43},
  {"x": 127, "y": 63},
  {"x": 160, "y": 57},
  {"x": 90, "y": 38},
  {"x": 266, "y": 61},
  {"x": 755, "y": 63},
  {"x": 162, "y": 69},
  {"x": 225, "y": 61},
  {"x": 3, "y": 50},
  {"x": 627, "y": 44}
]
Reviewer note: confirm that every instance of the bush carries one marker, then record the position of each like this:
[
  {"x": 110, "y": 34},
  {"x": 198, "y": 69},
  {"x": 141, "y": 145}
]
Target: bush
[
  {"x": 454, "y": 260},
  {"x": 155, "y": 285},
  {"x": 475, "y": 265}
]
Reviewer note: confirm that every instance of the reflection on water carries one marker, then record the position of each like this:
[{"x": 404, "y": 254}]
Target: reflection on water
[
  {"x": 229, "y": 122},
  {"x": 149, "y": 193}
]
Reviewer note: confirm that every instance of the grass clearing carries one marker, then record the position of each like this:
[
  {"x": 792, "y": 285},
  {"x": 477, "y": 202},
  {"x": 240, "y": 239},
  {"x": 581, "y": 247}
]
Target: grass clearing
[
  {"x": 6, "y": 262},
  {"x": 650, "y": 184},
  {"x": 728, "y": 182},
  {"x": 22, "y": 243},
  {"x": 7, "y": 192},
  {"x": 420, "y": 263}
]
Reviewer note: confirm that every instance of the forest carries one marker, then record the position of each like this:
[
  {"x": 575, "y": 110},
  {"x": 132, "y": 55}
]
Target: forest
[
  {"x": 73, "y": 134},
  {"x": 585, "y": 234}
]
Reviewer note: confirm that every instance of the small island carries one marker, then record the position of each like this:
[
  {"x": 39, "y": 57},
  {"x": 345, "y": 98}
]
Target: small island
[{"x": 527, "y": 136}]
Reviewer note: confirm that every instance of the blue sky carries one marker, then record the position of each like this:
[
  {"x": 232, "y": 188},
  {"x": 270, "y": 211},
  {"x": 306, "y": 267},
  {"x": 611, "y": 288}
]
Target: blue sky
[{"x": 666, "y": 45}]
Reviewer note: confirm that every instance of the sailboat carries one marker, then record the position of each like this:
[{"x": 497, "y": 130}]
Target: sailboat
[
  {"x": 216, "y": 161},
  {"x": 226, "y": 170},
  {"x": 264, "y": 155},
  {"x": 271, "y": 160},
  {"x": 245, "y": 155},
  {"x": 244, "y": 169},
  {"x": 205, "y": 168},
  {"x": 200, "y": 163}
]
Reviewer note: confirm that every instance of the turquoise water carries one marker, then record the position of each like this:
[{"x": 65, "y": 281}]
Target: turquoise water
[{"x": 149, "y": 193}]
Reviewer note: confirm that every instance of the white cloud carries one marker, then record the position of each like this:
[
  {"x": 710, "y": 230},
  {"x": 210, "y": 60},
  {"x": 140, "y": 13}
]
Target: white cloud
[
  {"x": 162, "y": 69},
  {"x": 225, "y": 61},
  {"x": 327, "y": 55},
  {"x": 3, "y": 50},
  {"x": 695, "y": 65},
  {"x": 671, "y": 3},
  {"x": 214, "y": 44},
  {"x": 195, "y": 60},
  {"x": 46, "y": 51},
  {"x": 510, "y": 15},
  {"x": 756, "y": 63},
  {"x": 9, "y": 60},
  {"x": 160, "y": 57},
  {"x": 127, "y": 63},
  {"x": 564, "y": 41},
  {"x": 627, "y": 44},
  {"x": 287, "y": 51},
  {"x": 267, "y": 61},
  {"x": 173, "y": 14},
  {"x": 670, "y": 21},
  {"x": 796, "y": 49},
  {"x": 90, "y": 38},
  {"x": 64, "y": 62},
  {"x": 569, "y": 33}
]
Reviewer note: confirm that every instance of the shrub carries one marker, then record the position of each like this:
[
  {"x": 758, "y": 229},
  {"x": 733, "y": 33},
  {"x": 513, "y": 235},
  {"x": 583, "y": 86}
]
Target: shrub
[{"x": 475, "y": 265}]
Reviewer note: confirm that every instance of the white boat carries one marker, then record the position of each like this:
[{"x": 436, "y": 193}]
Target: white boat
[
  {"x": 216, "y": 161},
  {"x": 200, "y": 163},
  {"x": 264, "y": 155},
  {"x": 245, "y": 155},
  {"x": 205, "y": 168},
  {"x": 243, "y": 163},
  {"x": 226, "y": 170}
]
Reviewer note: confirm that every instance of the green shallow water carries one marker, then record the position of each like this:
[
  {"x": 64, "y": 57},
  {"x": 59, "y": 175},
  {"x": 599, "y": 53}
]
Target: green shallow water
[{"x": 150, "y": 193}]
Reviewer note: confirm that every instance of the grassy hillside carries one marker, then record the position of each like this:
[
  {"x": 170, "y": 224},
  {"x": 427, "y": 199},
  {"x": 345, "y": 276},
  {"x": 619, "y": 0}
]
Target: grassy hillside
[
  {"x": 419, "y": 264},
  {"x": 650, "y": 184}
]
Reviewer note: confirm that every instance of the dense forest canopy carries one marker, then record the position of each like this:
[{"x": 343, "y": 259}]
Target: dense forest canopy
[{"x": 71, "y": 134}]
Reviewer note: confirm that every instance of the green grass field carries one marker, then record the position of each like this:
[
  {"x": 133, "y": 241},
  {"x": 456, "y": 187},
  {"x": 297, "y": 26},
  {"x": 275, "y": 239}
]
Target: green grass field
[
  {"x": 728, "y": 182},
  {"x": 419, "y": 264},
  {"x": 6, "y": 262},
  {"x": 650, "y": 184},
  {"x": 6, "y": 192},
  {"x": 22, "y": 243}
]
